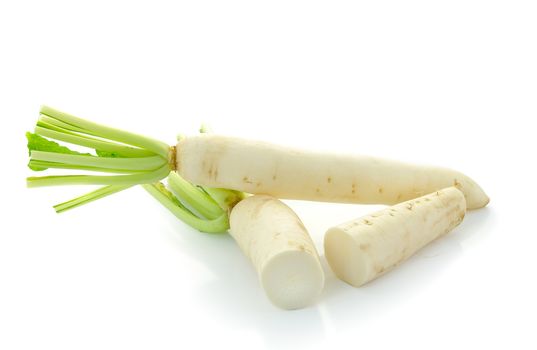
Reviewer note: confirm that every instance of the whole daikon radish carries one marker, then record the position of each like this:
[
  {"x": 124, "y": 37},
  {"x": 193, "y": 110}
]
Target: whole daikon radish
[
  {"x": 280, "y": 248},
  {"x": 363, "y": 249},
  {"x": 258, "y": 167},
  {"x": 226, "y": 162}
]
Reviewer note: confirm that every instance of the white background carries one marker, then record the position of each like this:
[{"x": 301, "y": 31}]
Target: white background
[{"x": 451, "y": 83}]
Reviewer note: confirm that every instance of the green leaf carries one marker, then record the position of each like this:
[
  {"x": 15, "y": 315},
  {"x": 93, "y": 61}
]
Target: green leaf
[{"x": 39, "y": 143}]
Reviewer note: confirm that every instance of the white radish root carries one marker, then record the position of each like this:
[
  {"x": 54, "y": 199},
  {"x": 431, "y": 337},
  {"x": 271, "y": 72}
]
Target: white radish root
[
  {"x": 281, "y": 250},
  {"x": 363, "y": 249},
  {"x": 262, "y": 168}
]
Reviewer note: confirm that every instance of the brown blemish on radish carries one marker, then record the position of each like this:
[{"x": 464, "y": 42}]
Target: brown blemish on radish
[
  {"x": 274, "y": 177},
  {"x": 367, "y": 222},
  {"x": 399, "y": 196},
  {"x": 381, "y": 190},
  {"x": 329, "y": 179},
  {"x": 246, "y": 180},
  {"x": 409, "y": 206},
  {"x": 364, "y": 246},
  {"x": 317, "y": 190}
]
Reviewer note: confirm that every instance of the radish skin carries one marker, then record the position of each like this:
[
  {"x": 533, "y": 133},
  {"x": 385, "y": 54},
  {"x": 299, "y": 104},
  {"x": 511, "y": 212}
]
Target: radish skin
[
  {"x": 262, "y": 168},
  {"x": 280, "y": 248},
  {"x": 361, "y": 250}
]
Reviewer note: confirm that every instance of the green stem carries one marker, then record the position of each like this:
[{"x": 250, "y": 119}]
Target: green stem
[
  {"x": 90, "y": 142},
  {"x": 77, "y": 124},
  {"x": 132, "y": 179},
  {"x": 45, "y": 165},
  {"x": 89, "y": 197},
  {"x": 143, "y": 163},
  {"x": 195, "y": 197},
  {"x": 225, "y": 198},
  {"x": 216, "y": 225},
  {"x": 46, "y": 121}
]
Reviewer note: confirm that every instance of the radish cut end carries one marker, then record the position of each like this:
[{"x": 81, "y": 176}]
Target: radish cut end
[
  {"x": 292, "y": 279},
  {"x": 346, "y": 259}
]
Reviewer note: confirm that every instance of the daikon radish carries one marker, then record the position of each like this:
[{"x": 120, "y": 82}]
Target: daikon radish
[
  {"x": 231, "y": 163},
  {"x": 280, "y": 248},
  {"x": 363, "y": 249},
  {"x": 258, "y": 167}
]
